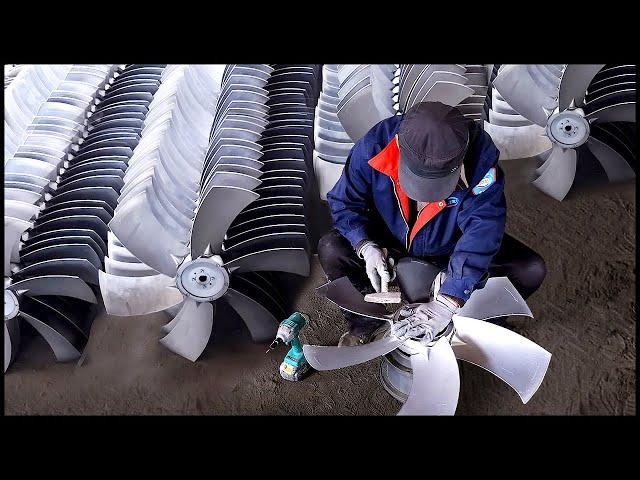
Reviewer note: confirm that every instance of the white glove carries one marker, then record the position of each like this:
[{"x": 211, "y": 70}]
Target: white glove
[
  {"x": 426, "y": 319},
  {"x": 376, "y": 265}
]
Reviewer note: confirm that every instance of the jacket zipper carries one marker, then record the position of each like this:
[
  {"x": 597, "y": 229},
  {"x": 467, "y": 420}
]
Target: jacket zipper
[{"x": 406, "y": 236}]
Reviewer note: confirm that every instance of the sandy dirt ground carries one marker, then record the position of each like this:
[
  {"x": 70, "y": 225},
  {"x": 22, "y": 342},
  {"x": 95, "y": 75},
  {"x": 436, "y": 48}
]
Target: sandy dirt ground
[{"x": 585, "y": 316}]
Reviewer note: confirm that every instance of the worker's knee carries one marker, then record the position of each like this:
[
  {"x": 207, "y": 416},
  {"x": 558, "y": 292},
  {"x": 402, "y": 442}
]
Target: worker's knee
[
  {"x": 336, "y": 255},
  {"x": 533, "y": 273},
  {"x": 331, "y": 246}
]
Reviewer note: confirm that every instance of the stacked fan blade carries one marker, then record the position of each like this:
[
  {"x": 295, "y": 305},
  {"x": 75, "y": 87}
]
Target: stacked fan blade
[
  {"x": 24, "y": 97},
  {"x": 272, "y": 231},
  {"x": 514, "y": 135},
  {"x": 588, "y": 111},
  {"x": 366, "y": 98},
  {"x": 332, "y": 143},
  {"x": 424, "y": 376},
  {"x": 464, "y": 86},
  {"x": 57, "y": 259},
  {"x": 11, "y": 72}
]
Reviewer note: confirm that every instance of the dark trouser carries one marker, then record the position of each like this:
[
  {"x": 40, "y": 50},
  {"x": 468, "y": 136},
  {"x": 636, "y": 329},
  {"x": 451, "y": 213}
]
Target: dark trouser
[{"x": 521, "y": 265}]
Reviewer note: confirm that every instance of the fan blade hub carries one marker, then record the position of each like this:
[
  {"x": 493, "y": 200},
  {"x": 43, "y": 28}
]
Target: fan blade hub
[
  {"x": 202, "y": 279},
  {"x": 11, "y": 305},
  {"x": 568, "y": 129}
]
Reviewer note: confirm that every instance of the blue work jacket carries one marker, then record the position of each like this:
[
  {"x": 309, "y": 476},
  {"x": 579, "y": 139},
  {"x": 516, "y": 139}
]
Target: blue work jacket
[{"x": 468, "y": 226}]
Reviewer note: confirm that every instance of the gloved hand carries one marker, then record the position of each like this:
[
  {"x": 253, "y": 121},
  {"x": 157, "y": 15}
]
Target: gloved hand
[
  {"x": 376, "y": 265},
  {"x": 427, "y": 319}
]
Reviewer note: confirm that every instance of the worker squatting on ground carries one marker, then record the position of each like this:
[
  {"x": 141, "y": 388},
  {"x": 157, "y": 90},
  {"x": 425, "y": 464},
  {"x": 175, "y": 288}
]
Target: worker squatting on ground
[{"x": 425, "y": 184}]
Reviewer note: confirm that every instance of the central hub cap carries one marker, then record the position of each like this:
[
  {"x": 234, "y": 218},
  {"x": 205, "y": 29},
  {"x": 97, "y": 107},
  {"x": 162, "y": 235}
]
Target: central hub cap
[
  {"x": 203, "y": 279},
  {"x": 569, "y": 129},
  {"x": 11, "y": 305}
]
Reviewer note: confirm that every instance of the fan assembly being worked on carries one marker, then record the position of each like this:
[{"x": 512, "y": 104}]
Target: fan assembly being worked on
[{"x": 425, "y": 377}]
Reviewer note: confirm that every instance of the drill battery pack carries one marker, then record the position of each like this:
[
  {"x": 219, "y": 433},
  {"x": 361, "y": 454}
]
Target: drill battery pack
[{"x": 294, "y": 373}]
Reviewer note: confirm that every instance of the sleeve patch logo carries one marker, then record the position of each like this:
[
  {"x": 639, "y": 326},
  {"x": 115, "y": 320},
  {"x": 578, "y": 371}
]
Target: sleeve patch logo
[{"x": 486, "y": 182}]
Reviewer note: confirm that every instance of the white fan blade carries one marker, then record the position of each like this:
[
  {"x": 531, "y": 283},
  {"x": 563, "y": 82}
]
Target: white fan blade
[
  {"x": 435, "y": 385},
  {"x": 518, "y": 142},
  {"x": 516, "y": 85},
  {"x": 13, "y": 230},
  {"x": 63, "y": 285},
  {"x": 498, "y": 298},
  {"x": 332, "y": 358},
  {"x": 558, "y": 175},
  {"x": 614, "y": 164},
  {"x": 127, "y": 296},
  {"x": 261, "y": 323},
  {"x": 190, "y": 335},
  {"x": 574, "y": 83},
  {"x": 137, "y": 227},
  {"x": 11, "y": 340},
  {"x": 519, "y": 362}
]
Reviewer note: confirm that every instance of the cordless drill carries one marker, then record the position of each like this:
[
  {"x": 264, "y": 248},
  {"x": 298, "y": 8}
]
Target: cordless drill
[{"x": 295, "y": 366}]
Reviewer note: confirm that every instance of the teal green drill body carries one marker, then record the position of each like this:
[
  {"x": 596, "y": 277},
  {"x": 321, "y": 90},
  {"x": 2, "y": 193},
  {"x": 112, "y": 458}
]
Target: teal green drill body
[{"x": 294, "y": 365}]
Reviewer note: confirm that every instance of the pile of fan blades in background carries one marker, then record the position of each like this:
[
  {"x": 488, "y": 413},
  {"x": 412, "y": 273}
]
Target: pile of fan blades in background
[
  {"x": 366, "y": 97},
  {"x": 514, "y": 135},
  {"x": 588, "y": 111},
  {"x": 358, "y": 96},
  {"x": 54, "y": 229},
  {"x": 464, "y": 86},
  {"x": 245, "y": 193},
  {"x": 11, "y": 72},
  {"x": 332, "y": 143},
  {"x": 435, "y": 383}
]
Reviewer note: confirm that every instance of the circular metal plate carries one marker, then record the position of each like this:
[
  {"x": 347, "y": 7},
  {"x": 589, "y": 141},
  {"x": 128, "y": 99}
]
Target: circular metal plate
[
  {"x": 569, "y": 129},
  {"x": 202, "y": 279},
  {"x": 11, "y": 305}
]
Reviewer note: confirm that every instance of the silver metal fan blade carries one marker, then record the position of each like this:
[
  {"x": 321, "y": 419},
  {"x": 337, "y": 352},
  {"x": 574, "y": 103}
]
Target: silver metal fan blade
[
  {"x": 21, "y": 210},
  {"x": 519, "y": 89},
  {"x": 620, "y": 112},
  {"x": 435, "y": 385},
  {"x": 11, "y": 340},
  {"x": 63, "y": 350},
  {"x": 217, "y": 211},
  {"x": 448, "y": 93},
  {"x": 291, "y": 260},
  {"x": 191, "y": 333},
  {"x": 63, "y": 285},
  {"x": 519, "y": 362},
  {"x": 346, "y": 296},
  {"x": 13, "y": 230},
  {"x": 127, "y": 269},
  {"x": 558, "y": 175},
  {"x": 518, "y": 142},
  {"x": 137, "y": 227},
  {"x": 498, "y": 298},
  {"x": 574, "y": 83},
  {"x": 126, "y": 296},
  {"x": 331, "y": 358},
  {"x": 172, "y": 312},
  {"x": 261, "y": 323},
  {"x": 614, "y": 164}
]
